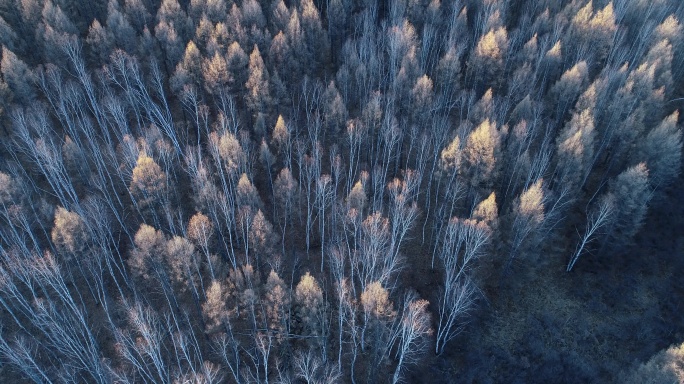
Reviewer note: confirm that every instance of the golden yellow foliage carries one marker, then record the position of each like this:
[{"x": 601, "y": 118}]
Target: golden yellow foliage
[
  {"x": 229, "y": 149},
  {"x": 180, "y": 257},
  {"x": 450, "y": 159},
  {"x": 68, "y": 233},
  {"x": 530, "y": 48},
  {"x": 280, "y": 134},
  {"x": 493, "y": 44},
  {"x": 357, "y": 197},
  {"x": 148, "y": 177},
  {"x": 576, "y": 75},
  {"x": 670, "y": 29},
  {"x": 285, "y": 187},
  {"x": 556, "y": 50},
  {"x": 604, "y": 20},
  {"x": 148, "y": 240},
  {"x": 149, "y": 245},
  {"x": 258, "y": 95},
  {"x": 582, "y": 18},
  {"x": 192, "y": 57},
  {"x": 587, "y": 99},
  {"x": 214, "y": 308},
  {"x": 665, "y": 367},
  {"x": 487, "y": 211},
  {"x": 308, "y": 293},
  {"x": 481, "y": 150},
  {"x": 200, "y": 228},
  {"x": 531, "y": 203},
  {"x": 375, "y": 301},
  {"x": 422, "y": 93},
  {"x": 215, "y": 72},
  {"x": 261, "y": 234},
  {"x": 277, "y": 302}
]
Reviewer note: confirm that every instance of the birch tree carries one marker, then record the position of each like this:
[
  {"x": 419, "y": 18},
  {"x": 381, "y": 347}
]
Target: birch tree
[
  {"x": 413, "y": 330},
  {"x": 462, "y": 243},
  {"x": 598, "y": 217}
]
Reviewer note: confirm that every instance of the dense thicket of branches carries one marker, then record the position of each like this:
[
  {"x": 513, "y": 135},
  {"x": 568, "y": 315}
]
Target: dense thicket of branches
[{"x": 247, "y": 191}]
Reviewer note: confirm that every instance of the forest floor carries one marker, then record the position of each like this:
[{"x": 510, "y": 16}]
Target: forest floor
[{"x": 541, "y": 324}]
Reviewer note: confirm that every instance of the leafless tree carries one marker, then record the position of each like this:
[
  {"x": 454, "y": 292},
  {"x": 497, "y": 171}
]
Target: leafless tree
[
  {"x": 310, "y": 368},
  {"x": 21, "y": 353},
  {"x": 462, "y": 244},
  {"x": 323, "y": 201},
  {"x": 286, "y": 189},
  {"x": 599, "y": 217},
  {"x": 413, "y": 329}
]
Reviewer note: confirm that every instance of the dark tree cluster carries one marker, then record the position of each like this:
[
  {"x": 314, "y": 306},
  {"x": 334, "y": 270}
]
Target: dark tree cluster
[{"x": 313, "y": 191}]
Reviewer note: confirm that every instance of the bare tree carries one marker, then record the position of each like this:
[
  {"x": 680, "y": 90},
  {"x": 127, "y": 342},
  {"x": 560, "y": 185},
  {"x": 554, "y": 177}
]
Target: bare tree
[
  {"x": 403, "y": 211},
  {"x": 413, "y": 329},
  {"x": 22, "y": 354},
  {"x": 324, "y": 201},
  {"x": 463, "y": 242},
  {"x": 286, "y": 188},
  {"x": 599, "y": 217},
  {"x": 310, "y": 368},
  {"x": 375, "y": 260}
]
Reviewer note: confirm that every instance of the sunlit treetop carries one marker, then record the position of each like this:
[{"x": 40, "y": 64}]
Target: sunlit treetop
[
  {"x": 357, "y": 197},
  {"x": 375, "y": 301},
  {"x": 531, "y": 203},
  {"x": 200, "y": 228},
  {"x": 148, "y": 176},
  {"x": 68, "y": 234},
  {"x": 450, "y": 159},
  {"x": 308, "y": 293},
  {"x": 280, "y": 135},
  {"x": 493, "y": 44},
  {"x": 555, "y": 51},
  {"x": 487, "y": 211},
  {"x": 670, "y": 29}
]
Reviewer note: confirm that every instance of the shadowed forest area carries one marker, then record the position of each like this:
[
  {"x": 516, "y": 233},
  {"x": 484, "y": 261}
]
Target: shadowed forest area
[{"x": 341, "y": 191}]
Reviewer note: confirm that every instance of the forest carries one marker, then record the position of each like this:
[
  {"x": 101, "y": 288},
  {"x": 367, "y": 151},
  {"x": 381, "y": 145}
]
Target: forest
[{"x": 341, "y": 191}]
